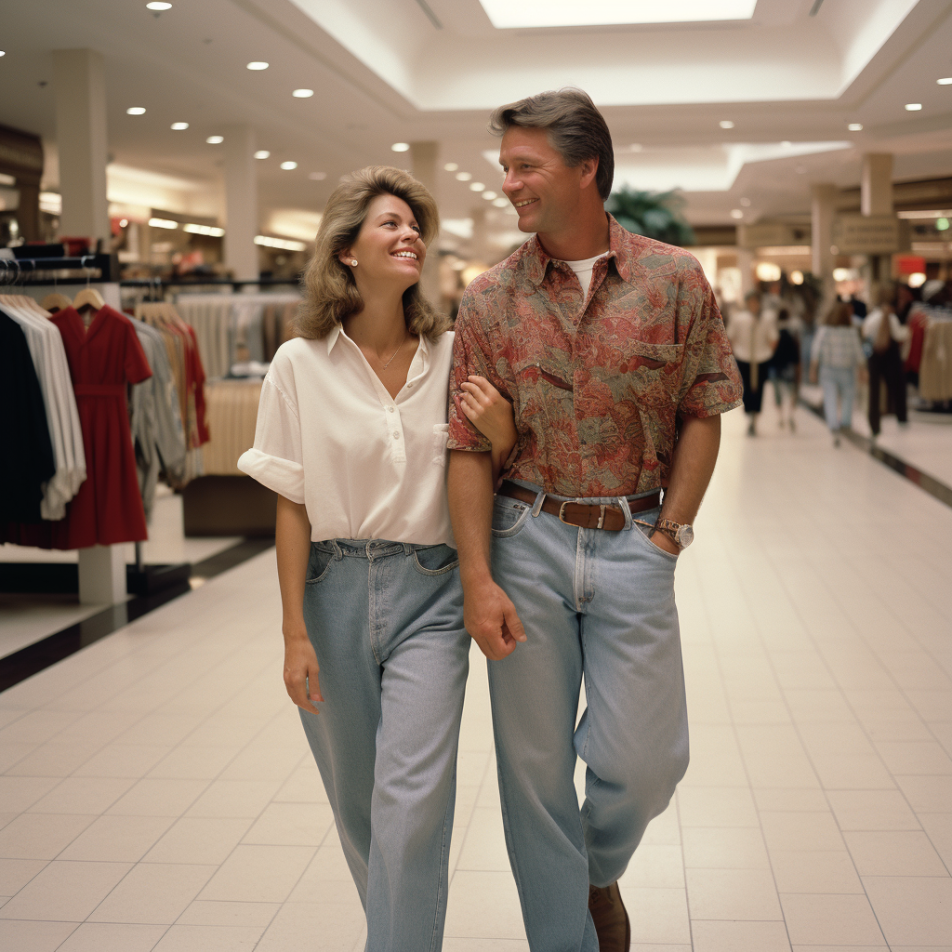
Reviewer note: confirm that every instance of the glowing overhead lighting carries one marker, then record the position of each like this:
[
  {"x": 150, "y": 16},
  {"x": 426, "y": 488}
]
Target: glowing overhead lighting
[
  {"x": 913, "y": 106},
  {"x": 945, "y": 81},
  {"x": 501, "y": 202},
  {"x": 476, "y": 187},
  {"x": 262, "y": 154},
  {"x": 281, "y": 243},
  {"x": 489, "y": 196},
  {"x": 4, "y": 53},
  {"x": 317, "y": 176},
  {"x": 796, "y": 277},
  {"x": 726, "y": 124},
  {"x": 179, "y": 126},
  {"x": 303, "y": 93},
  {"x": 158, "y": 6},
  {"x": 209, "y": 230},
  {"x": 506, "y": 15},
  {"x": 163, "y": 223},
  {"x": 736, "y": 213},
  {"x": 400, "y": 147},
  {"x": 842, "y": 274},
  {"x": 258, "y": 65},
  {"x": 123, "y": 222},
  {"x": 463, "y": 176},
  {"x": 942, "y": 224},
  {"x": 135, "y": 111},
  {"x": 855, "y": 127},
  {"x": 288, "y": 166},
  {"x": 450, "y": 167},
  {"x": 215, "y": 140}
]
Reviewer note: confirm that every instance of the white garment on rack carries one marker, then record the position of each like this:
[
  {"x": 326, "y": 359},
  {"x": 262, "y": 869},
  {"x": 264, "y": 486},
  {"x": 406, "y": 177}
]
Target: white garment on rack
[{"x": 62, "y": 417}]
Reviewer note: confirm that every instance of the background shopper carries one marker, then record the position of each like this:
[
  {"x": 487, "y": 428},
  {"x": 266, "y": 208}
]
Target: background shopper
[
  {"x": 887, "y": 338},
  {"x": 753, "y": 334},
  {"x": 784, "y": 367},
  {"x": 836, "y": 357}
]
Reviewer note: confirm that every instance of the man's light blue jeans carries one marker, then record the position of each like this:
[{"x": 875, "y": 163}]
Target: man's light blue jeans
[
  {"x": 386, "y": 622},
  {"x": 597, "y": 605}
]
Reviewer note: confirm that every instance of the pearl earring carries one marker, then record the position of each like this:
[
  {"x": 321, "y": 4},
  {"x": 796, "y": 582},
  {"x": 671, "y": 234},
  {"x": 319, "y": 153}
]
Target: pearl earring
[{"x": 353, "y": 261}]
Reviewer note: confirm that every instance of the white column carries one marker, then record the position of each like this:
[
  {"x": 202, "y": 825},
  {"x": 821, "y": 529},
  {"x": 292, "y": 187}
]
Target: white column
[
  {"x": 424, "y": 157},
  {"x": 80, "y": 89},
  {"x": 479, "y": 243},
  {"x": 824, "y": 207},
  {"x": 241, "y": 203},
  {"x": 876, "y": 198},
  {"x": 745, "y": 264}
]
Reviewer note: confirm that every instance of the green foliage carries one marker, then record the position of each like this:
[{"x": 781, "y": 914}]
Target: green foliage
[{"x": 655, "y": 215}]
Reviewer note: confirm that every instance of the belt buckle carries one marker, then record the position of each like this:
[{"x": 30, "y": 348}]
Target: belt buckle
[{"x": 562, "y": 519}]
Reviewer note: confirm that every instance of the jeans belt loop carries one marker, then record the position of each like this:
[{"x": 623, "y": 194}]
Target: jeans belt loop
[{"x": 537, "y": 505}]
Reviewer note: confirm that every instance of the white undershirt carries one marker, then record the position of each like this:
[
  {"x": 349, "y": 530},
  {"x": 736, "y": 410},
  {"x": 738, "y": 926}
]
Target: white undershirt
[{"x": 583, "y": 271}]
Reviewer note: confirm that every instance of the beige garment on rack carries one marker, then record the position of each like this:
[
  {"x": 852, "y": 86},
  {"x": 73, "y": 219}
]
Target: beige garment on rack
[
  {"x": 935, "y": 370},
  {"x": 232, "y": 411}
]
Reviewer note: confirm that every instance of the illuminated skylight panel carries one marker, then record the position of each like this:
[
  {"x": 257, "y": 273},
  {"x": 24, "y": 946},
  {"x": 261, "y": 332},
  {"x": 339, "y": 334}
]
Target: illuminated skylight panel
[{"x": 506, "y": 15}]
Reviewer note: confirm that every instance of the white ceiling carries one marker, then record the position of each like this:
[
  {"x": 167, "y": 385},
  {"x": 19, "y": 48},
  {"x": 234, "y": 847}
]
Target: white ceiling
[{"x": 407, "y": 70}]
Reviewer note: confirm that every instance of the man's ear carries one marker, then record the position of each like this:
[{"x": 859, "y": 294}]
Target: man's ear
[{"x": 588, "y": 169}]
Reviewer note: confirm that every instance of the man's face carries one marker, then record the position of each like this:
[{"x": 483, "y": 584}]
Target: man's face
[{"x": 545, "y": 192}]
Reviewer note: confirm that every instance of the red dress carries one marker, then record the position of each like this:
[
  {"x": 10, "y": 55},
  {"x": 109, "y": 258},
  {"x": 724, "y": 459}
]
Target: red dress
[{"x": 102, "y": 359}]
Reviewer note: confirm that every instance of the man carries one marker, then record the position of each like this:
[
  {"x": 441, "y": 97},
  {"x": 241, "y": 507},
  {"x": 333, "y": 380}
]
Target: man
[{"x": 613, "y": 353}]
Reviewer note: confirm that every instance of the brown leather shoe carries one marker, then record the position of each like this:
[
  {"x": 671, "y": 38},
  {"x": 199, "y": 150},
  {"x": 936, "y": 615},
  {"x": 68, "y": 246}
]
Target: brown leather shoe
[{"x": 610, "y": 918}]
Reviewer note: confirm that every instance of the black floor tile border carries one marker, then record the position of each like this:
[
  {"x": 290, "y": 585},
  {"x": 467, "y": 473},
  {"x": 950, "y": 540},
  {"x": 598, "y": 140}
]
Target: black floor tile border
[
  {"x": 32, "y": 659},
  {"x": 934, "y": 487}
]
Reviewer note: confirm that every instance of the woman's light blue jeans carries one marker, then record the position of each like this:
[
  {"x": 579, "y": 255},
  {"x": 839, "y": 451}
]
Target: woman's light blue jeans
[
  {"x": 838, "y": 382},
  {"x": 386, "y": 622},
  {"x": 597, "y": 605}
]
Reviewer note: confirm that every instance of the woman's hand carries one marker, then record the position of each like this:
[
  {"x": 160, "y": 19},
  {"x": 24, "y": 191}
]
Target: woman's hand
[
  {"x": 491, "y": 413},
  {"x": 301, "y": 669}
]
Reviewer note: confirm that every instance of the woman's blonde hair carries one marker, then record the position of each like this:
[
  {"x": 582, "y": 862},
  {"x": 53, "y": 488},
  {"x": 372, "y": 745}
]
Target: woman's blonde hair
[{"x": 330, "y": 293}]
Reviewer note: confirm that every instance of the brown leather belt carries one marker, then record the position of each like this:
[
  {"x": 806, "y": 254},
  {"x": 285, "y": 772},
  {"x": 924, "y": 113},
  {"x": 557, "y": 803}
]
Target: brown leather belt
[{"x": 579, "y": 514}]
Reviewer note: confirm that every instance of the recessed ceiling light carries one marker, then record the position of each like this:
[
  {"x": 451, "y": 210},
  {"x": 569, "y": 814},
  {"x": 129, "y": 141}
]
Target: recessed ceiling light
[
  {"x": 476, "y": 186},
  {"x": 726, "y": 124},
  {"x": 463, "y": 176},
  {"x": 287, "y": 166},
  {"x": 258, "y": 64},
  {"x": 501, "y": 202},
  {"x": 745, "y": 202},
  {"x": 4, "y": 53},
  {"x": 945, "y": 81},
  {"x": 400, "y": 147},
  {"x": 215, "y": 140},
  {"x": 913, "y": 106},
  {"x": 135, "y": 111},
  {"x": 489, "y": 196},
  {"x": 855, "y": 127},
  {"x": 157, "y": 5},
  {"x": 303, "y": 93},
  {"x": 736, "y": 213},
  {"x": 262, "y": 154},
  {"x": 450, "y": 167},
  {"x": 317, "y": 176},
  {"x": 179, "y": 126}
]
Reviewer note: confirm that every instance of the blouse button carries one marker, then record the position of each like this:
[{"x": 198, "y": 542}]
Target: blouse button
[
  {"x": 389, "y": 409},
  {"x": 409, "y": 384},
  {"x": 396, "y": 435}
]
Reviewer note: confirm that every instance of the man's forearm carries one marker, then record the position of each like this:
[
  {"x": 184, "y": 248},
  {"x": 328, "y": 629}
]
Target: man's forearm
[
  {"x": 692, "y": 467},
  {"x": 470, "y": 493}
]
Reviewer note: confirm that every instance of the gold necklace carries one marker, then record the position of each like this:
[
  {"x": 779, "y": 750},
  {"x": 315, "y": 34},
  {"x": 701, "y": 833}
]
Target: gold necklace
[{"x": 394, "y": 354}]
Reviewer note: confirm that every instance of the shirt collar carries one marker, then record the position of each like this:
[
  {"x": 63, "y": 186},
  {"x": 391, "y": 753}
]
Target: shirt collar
[
  {"x": 337, "y": 330},
  {"x": 537, "y": 259}
]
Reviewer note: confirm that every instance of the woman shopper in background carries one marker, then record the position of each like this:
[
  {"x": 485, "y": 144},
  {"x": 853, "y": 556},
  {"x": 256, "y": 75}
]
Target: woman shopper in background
[
  {"x": 836, "y": 356},
  {"x": 352, "y": 436},
  {"x": 784, "y": 367},
  {"x": 887, "y": 337},
  {"x": 753, "y": 336}
]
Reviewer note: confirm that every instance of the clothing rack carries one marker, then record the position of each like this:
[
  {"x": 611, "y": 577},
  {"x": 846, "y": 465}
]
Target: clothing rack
[
  {"x": 161, "y": 283},
  {"x": 95, "y": 267}
]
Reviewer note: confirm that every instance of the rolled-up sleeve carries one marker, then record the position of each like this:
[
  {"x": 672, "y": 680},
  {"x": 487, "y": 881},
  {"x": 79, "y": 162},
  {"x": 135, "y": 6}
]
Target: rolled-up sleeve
[
  {"x": 470, "y": 356},
  {"x": 276, "y": 460},
  {"x": 711, "y": 383}
]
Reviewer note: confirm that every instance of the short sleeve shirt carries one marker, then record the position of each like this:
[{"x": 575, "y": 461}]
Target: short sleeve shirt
[
  {"x": 597, "y": 382},
  {"x": 364, "y": 464}
]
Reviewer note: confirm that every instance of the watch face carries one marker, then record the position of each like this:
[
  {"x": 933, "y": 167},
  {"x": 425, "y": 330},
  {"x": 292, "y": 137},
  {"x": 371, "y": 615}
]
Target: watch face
[{"x": 684, "y": 536}]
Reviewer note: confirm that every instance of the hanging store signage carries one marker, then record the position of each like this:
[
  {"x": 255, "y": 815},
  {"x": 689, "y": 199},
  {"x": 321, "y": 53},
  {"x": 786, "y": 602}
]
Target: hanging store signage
[{"x": 866, "y": 234}]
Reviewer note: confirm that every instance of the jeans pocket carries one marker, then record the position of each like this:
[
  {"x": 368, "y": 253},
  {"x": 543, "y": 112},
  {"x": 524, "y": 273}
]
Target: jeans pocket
[
  {"x": 319, "y": 564},
  {"x": 435, "y": 559},
  {"x": 644, "y": 531},
  {"x": 509, "y": 516}
]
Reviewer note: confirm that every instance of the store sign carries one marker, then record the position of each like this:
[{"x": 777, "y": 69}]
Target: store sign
[
  {"x": 866, "y": 234},
  {"x": 764, "y": 235}
]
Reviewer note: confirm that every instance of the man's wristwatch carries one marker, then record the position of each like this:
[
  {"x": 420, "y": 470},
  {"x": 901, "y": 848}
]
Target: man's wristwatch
[{"x": 680, "y": 533}]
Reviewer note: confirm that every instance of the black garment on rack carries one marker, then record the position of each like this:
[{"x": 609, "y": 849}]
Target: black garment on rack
[{"x": 27, "y": 450}]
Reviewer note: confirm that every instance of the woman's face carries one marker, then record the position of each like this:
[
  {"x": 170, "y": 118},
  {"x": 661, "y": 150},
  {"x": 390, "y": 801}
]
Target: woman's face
[{"x": 389, "y": 248}]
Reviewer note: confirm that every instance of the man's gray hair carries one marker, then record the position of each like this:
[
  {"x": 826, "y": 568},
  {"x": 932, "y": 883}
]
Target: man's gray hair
[{"x": 576, "y": 129}]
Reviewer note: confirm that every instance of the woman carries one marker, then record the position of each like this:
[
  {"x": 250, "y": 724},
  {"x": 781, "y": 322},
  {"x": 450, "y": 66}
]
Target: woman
[
  {"x": 784, "y": 367},
  {"x": 753, "y": 336},
  {"x": 887, "y": 336},
  {"x": 836, "y": 354},
  {"x": 352, "y": 436}
]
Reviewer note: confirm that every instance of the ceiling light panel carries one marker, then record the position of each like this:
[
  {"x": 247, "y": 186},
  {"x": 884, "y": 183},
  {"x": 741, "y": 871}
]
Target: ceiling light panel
[
  {"x": 258, "y": 65},
  {"x": 527, "y": 14},
  {"x": 303, "y": 93}
]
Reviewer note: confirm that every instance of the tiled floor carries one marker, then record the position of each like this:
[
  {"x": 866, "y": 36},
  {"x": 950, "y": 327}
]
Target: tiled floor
[{"x": 156, "y": 792}]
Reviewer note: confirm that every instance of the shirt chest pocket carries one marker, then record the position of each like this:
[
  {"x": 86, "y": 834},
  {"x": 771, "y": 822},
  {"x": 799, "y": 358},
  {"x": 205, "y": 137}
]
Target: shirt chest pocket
[{"x": 653, "y": 372}]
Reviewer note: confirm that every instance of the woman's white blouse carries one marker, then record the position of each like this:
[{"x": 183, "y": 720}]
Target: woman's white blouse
[{"x": 365, "y": 465}]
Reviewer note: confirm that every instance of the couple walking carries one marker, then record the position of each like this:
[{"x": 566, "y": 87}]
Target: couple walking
[{"x": 588, "y": 371}]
